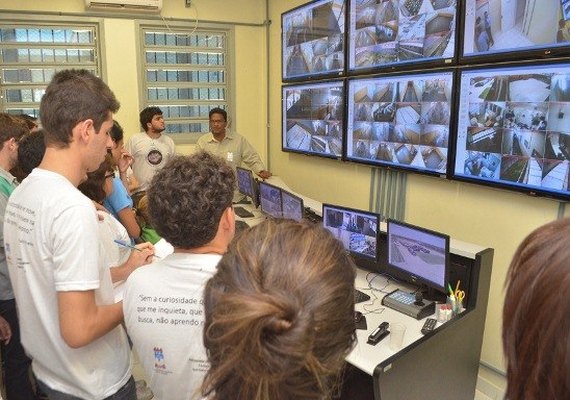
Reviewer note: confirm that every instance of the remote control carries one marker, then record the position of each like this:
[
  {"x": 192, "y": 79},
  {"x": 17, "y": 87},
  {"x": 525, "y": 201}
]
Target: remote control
[{"x": 429, "y": 325}]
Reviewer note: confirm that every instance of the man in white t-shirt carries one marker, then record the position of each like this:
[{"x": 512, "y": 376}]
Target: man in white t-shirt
[
  {"x": 190, "y": 204},
  {"x": 70, "y": 325},
  {"x": 150, "y": 149}
]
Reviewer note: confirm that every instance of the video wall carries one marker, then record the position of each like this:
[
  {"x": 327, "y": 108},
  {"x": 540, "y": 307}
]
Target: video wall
[
  {"x": 472, "y": 90},
  {"x": 313, "y": 118},
  {"x": 389, "y": 33},
  {"x": 514, "y": 127},
  {"x": 401, "y": 120},
  {"x": 314, "y": 39},
  {"x": 516, "y": 29}
]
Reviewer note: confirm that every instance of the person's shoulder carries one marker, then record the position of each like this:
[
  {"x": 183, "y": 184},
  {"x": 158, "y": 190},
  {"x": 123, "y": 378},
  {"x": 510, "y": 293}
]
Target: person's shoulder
[
  {"x": 136, "y": 137},
  {"x": 119, "y": 187},
  {"x": 204, "y": 139},
  {"x": 145, "y": 276},
  {"x": 166, "y": 137},
  {"x": 233, "y": 134}
]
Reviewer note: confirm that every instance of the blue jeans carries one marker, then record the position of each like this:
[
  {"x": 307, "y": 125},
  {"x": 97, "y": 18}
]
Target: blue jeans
[{"x": 127, "y": 392}]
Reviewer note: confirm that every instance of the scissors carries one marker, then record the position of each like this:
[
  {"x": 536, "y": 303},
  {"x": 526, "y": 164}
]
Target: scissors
[{"x": 460, "y": 295}]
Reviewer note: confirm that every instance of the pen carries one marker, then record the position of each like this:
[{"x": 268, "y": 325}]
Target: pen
[
  {"x": 130, "y": 246},
  {"x": 457, "y": 286},
  {"x": 125, "y": 244},
  {"x": 450, "y": 289}
]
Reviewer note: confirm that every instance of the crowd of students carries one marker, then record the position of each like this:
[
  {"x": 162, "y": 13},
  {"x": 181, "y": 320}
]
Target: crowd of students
[
  {"x": 64, "y": 266},
  {"x": 265, "y": 314}
]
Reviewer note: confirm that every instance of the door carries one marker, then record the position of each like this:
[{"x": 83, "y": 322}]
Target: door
[{"x": 508, "y": 14}]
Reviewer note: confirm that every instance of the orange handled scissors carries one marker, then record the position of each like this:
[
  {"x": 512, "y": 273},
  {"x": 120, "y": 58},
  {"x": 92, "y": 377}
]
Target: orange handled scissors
[{"x": 460, "y": 295}]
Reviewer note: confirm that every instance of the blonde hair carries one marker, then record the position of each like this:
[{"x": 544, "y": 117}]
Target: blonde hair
[{"x": 279, "y": 314}]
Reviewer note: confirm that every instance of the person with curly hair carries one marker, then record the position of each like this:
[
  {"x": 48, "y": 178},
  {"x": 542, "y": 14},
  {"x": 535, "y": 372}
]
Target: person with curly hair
[
  {"x": 279, "y": 314},
  {"x": 190, "y": 206}
]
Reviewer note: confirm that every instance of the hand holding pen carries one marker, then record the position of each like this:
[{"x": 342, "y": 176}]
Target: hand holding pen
[{"x": 143, "y": 253}]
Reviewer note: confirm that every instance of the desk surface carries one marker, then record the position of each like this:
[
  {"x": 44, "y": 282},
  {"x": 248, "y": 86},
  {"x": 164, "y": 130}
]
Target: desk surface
[
  {"x": 458, "y": 247},
  {"x": 421, "y": 359},
  {"x": 365, "y": 356}
]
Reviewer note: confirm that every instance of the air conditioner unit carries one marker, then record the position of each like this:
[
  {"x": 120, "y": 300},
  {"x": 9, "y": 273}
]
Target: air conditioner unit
[{"x": 125, "y": 5}]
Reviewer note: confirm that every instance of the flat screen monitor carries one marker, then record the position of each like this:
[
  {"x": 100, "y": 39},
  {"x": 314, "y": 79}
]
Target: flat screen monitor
[
  {"x": 293, "y": 206},
  {"x": 401, "y": 121},
  {"x": 357, "y": 230},
  {"x": 513, "y": 128},
  {"x": 270, "y": 199},
  {"x": 247, "y": 184},
  {"x": 395, "y": 34},
  {"x": 418, "y": 255},
  {"x": 516, "y": 29},
  {"x": 313, "y": 40},
  {"x": 313, "y": 118}
]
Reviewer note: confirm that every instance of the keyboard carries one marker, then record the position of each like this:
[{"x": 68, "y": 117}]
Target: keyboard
[
  {"x": 242, "y": 212},
  {"x": 359, "y": 296}
]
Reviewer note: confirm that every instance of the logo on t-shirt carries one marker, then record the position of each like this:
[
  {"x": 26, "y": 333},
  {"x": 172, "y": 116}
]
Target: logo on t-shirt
[
  {"x": 154, "y": 157},
  {"x": 159, "y": 359}
]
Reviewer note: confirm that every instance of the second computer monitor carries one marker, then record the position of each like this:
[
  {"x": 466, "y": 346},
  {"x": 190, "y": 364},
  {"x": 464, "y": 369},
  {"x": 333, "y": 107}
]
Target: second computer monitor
[
  {"x": 356, "y": 229},
  {"x": 293, "y": 206},
  {"x": 246, "y": 184},
  {"x": 418, "y": 255},
  {"x": 270, "y": 199}
]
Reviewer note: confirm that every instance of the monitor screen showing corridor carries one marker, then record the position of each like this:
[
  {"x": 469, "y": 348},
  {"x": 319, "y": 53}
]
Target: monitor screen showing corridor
[
  {"x": 394, "y": 34},
  {"x": 401, "y": 121},
  {"x": 514, "y": 128},
  {"x": 313, "y": 116},
  {"x": 515, "y": 29},
  {"x": 313, "y": 40}
]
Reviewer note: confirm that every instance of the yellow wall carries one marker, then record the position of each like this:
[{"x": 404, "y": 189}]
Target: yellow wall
[
  {"x": 488, "y": 217},
  {"x": 472, "y": 213}
]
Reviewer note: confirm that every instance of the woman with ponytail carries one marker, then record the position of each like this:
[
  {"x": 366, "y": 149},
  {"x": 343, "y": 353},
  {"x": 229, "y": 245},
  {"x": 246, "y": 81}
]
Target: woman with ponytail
[{"x": 279, "y": 314}]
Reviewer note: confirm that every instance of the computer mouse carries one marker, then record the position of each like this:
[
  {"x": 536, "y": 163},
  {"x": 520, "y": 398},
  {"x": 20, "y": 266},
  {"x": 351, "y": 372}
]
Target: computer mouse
[
  {"x": 360, "y": 320},
  {"x": 357, "y": 317}
]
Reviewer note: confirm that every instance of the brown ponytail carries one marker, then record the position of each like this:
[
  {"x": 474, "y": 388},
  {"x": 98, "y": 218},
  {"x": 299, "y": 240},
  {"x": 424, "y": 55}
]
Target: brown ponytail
[{"x": 279, "y": 314}]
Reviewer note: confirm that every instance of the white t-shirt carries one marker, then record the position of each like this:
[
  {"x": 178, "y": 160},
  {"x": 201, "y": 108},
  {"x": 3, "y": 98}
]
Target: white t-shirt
[
  {"x": 149, "y": 155},
  {"x": 164, "y": 315},
  {"x": 52, "y": 245},
  {"x": 114, "y": 255}
]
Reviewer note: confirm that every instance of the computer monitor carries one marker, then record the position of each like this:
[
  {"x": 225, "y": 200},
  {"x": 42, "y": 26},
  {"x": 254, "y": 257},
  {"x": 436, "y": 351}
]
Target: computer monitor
[
  {"x": 357, "y": 230},
  {"x": 313, "y": 118},
  {"x": 401, "y": 120},
  {"x": 247, "y": 184},
  {"x": 396, "y": 34},
  {"x": 499, "y": 30},
  {"x": 292, "y": 206},
  {"x": 418, "y": 255},
  {"x": 313, "y": 40},
  {"x": 270, "y": 199},
  {"x": 513, "y": 128}
]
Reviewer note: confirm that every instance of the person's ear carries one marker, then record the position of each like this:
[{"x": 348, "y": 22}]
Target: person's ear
[
  {"x": 229, "y": 219},
  {"x": 84, "y": 130}
]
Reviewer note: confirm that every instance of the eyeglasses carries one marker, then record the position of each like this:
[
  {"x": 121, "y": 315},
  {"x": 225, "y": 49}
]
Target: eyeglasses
[{"x": 109, "y": 176}]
